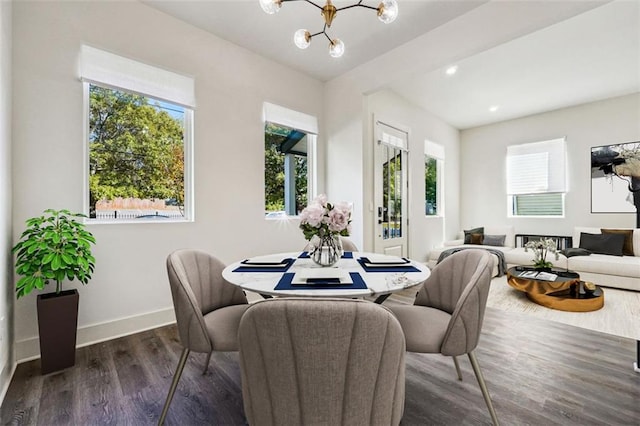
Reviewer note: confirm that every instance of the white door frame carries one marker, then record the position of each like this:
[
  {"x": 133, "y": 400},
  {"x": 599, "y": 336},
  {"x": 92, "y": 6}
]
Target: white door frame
[{"x": 392, "y": 135}]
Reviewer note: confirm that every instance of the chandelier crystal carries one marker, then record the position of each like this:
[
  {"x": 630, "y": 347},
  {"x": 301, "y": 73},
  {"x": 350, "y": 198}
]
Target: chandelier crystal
[
  {"x": 336, "y": 48},
  {"x": 270, "y": 6},
  {"x": 387, "y": 12},
  {"x": 302, "y": 38}
]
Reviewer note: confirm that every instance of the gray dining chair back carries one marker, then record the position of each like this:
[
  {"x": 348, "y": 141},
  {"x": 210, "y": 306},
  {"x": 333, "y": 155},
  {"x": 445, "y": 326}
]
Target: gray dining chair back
[
  {"x": 207, "y": 307},
  {"x": 459, "y": 286},
  {"x": 348, "y": 245},
  {"x": 321, "y": 362},
  {"x": 448, "y": 311}
]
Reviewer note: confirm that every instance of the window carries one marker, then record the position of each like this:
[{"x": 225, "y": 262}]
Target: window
[
  {"x": 289, "y": 145},
  {"x": 139, "y": 136},
  {"x": 536, "y": 178},
  {"x": 433, "y": 170}
]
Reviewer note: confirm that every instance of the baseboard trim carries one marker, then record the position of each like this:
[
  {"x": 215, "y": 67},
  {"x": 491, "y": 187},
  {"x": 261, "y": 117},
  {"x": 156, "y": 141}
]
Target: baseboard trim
[
  {"x": 6, "y": 375},
  {"x": 29, "y": 349}
]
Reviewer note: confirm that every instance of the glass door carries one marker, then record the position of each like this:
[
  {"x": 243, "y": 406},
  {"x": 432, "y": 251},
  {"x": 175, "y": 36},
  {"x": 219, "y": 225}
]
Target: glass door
[{"x": 390, "y": 190}]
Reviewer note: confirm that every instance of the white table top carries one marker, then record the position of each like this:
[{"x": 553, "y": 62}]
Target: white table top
[{"x": 378, "y": 283}]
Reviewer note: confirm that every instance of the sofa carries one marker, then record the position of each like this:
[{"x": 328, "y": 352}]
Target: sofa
[
  {"x": 508, "y": 245},
  {"x": 607, "y": 270}
]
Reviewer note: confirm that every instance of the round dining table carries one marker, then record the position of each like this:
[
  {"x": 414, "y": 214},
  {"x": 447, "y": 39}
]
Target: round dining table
[{"x": 356, "y": 274}]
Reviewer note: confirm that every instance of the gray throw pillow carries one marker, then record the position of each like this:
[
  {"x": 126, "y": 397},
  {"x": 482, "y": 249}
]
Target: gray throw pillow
[
  {"x": 494, "y": 240},
  {"x": 575, "y": 251},
  {"x": 602, "y": 243},
  {"x": 627, "y": 247},
  {"x": 468, "y": 232}
]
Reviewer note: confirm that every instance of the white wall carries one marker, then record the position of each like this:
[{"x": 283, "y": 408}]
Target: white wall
[
  {"x": 424, "y": 232},
  {"x": 129, "y": 289},
  {"x": 344, "y": 153},
  {"x": 483, "y": 163},
  {"x": 6, "y": 268}
]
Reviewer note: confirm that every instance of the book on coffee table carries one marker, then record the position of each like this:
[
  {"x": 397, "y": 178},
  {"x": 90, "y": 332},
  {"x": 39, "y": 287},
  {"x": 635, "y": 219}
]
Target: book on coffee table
[
  {"x": 543, "y": 276},
  {"x": 546, "y": 276}
]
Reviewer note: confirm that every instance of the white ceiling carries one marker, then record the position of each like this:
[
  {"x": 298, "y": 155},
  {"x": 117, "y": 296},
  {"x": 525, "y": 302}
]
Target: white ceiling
[
  {"x": 243, "y": 22},
  {"x": 587, "y": 57}
]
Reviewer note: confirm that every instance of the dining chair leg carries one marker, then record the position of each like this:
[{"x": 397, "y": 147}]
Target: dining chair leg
[
  {"x": 206, "y": 364},
  {"x": 455, "y": 362},
  {"x": 174, "y": 384},
  {"x": 483, "y": 387}
]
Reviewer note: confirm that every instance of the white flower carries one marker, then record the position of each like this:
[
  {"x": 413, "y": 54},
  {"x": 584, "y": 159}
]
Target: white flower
[
  {"x": 540, "y": 249},
  {"x": 321, "y": 199},
  {"x": 321, "y": 218},
  {"x": 312, "y": 215},
  {"x": 344, "y": 207},
  {"x": 338, "y": 220}
]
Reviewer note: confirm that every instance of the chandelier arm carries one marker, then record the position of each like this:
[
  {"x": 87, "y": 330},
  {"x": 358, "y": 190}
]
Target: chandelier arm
[
  {"x": 357, "y": 5},
  {"x": 310, "y": 2},
  {"x": 318, "y": 33}
]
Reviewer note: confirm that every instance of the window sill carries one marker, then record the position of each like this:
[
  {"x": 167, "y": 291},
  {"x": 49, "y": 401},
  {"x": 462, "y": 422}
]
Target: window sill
[{"x": 135, "y": 221}]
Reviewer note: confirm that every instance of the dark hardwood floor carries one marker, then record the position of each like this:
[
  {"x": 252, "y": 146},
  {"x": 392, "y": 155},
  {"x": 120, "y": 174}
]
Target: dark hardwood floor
[{"x": 538, "y": 373}]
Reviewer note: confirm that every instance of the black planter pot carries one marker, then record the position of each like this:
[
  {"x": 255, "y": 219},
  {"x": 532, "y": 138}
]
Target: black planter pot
[{"x": 58, "y": 325}]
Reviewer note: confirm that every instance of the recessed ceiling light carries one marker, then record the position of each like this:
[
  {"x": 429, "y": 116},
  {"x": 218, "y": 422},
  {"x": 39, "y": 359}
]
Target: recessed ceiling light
[
  {"x": 493, "y": 108},
  {"x": 452, "y": 70}
]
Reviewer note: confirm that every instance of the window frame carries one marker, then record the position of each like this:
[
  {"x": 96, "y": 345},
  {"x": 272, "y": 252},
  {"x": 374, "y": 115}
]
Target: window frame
[
  {"x": 558, "y": 187},
  {"x": 298, "y": 121},
  {"x": 188, "y": 132},
  {"x": 436, "y": 152}
]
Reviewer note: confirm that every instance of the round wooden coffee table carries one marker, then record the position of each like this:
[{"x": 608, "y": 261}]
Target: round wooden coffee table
[{"x": 565, "y": 293}]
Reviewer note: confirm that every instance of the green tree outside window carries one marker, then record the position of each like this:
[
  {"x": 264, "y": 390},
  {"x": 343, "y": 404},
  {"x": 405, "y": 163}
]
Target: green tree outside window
[{"x": 136, "y": 148}]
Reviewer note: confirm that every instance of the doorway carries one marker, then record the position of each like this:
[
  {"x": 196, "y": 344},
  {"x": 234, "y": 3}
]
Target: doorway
[{"x": 390, "y": 189}]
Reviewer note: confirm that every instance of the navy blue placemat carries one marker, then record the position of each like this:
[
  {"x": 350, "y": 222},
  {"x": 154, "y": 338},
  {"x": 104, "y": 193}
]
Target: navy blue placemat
[
  {"x": 285, "y": 284},
  {"x": 280, "y": 269},
  {"x": 405, "y": 261},
  {"x": 345, "y": 255},
  {"x": 387, "y": 268}
]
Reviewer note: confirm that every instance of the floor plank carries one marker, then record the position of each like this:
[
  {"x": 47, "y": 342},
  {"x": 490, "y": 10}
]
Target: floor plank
[{"x": 538, "y": 373}]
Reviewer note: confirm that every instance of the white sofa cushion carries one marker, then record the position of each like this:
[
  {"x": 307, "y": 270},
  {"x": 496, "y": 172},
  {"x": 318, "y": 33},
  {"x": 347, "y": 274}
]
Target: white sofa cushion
[
  {"x": 518, "y": 256},
  {"x": 434, "y": 254},
  {"x": 624, "y": 266}
]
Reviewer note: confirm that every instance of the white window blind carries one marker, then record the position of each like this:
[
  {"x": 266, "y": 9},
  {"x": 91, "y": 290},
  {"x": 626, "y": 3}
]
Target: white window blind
[
  {"x": 286, "y": 117},
  {"x": 389, "y": 135},
  {"x": 538, "y": 205},
  {"x": 434, "y": 150},
  {"x": 537, "y": 168},
  {"x": 104, "y": 68}
]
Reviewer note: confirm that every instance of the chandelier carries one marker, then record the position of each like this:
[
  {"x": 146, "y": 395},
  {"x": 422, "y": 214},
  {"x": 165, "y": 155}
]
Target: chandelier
[{"x": 387, "y": 13}]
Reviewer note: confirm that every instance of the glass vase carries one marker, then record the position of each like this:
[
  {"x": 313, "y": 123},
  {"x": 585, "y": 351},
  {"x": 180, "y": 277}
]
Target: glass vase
[{"x": 327, "y": 249}]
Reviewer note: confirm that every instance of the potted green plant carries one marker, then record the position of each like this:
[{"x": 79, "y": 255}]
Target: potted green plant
[{"x": 55, "y": 247}]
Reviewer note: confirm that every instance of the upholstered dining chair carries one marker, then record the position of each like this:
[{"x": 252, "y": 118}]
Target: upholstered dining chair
[
  {"x": 208, "y": 308},
  {"x": 348, "y": 245},
  {"x": 448, "y": 311},
  {"x": 321, "y": 361}
]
